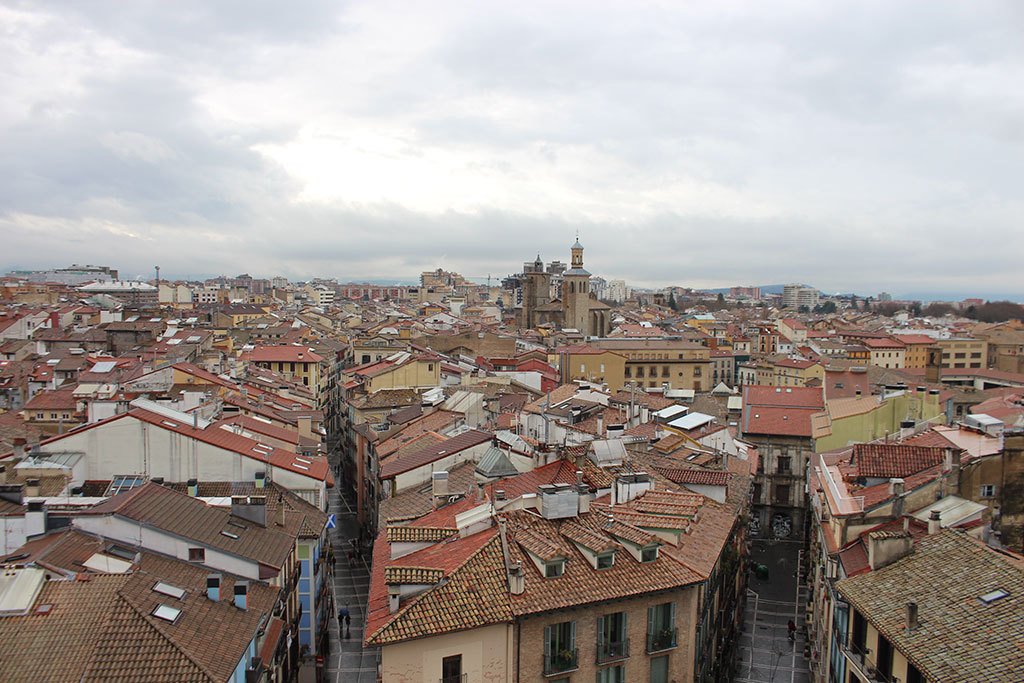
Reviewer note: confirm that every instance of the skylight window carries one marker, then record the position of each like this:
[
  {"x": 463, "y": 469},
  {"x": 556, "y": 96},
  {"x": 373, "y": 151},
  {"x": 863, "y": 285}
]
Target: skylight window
[
  {"x": 166, "y": 612},
  {"x": 992, "y": 596},
  {"x": 237, "y": 524},
  {"x": 169, "y": 590},
  {"x": 301, "y": 467},
  {"x": 303, "y": 460},
  {"x": 229, "y": 534},
  {"x": 124, "y": 482}
]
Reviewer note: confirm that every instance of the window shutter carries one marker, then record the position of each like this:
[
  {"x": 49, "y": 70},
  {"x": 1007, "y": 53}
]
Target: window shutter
[
  {"x": 650, "y": 620},
  {"x": 625, "y": 627},
  {"x": 547, "y": 641},
  {"x": 601, "y": 621},
  {"x": 572, "y": 635},
  {"x": 671, "y": 615}
]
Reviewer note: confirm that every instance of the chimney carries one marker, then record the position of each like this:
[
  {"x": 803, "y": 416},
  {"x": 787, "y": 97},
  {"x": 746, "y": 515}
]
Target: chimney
[
  {"x": 12, "y": 493},
  {"x": 582, "y": 493},
  {"x": 31, "y": 488},
  {"x": 600, "y": 426},
  {"x": 885, "y": 548},
  {"x": 439, "y": 483},
  {"x": 3, "y": 474},
  {"x": 193, "y": 487},
  {"x": 516, "y": 580},
  {"x": 250, "y": 508},
  {"x": 158, "y": 480},
  {"x": 35, "y": 519},
  {"x": 261, "y": 480},
  {"x": 281, "y": 521},
  {"x": 910, "y": 612},
  {"x": 213, "y": 587},
  {"x": 19, "y": 448},
  {"x": 896, "y": 487},
  {"x": 906, "y": 429},
  {"x": 934, "y": 523},
  {"x": 394, "y": 596},
  {"x": 241, "y": 594}
]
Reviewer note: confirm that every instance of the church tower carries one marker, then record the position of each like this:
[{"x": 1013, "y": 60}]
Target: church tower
[{"x": 576, "y": 293}]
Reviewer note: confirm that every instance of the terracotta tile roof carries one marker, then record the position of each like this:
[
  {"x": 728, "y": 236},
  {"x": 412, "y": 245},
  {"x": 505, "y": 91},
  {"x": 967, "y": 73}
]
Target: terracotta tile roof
[
  {"x": 790, "y": 397},
  {"x": 894, "y": 460},
  {"x": 778, "y": 421},
  {"x": 580, "y": 583},
  {"x": 425, "y": 456},
  {"x": 946, "y": 576},
  {"x": 433, "y": 422},
  {"x": 546, "y": 549},
  {"x": 475, "y": 594},
  {"x": 421, "y": 575},
  {"x": 695, "y": 476},
  {"x": 418, "y": 534},
  {"x": 639, "y": 519},
  {"x": 587, "y": 537}
]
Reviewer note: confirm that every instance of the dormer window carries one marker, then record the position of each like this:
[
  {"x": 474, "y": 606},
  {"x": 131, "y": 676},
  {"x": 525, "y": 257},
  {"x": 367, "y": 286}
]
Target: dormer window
[
  {"x": 649, "y": 554},
  {"x": 554, "y": 569},
  {"x": 605, "y": 560}
]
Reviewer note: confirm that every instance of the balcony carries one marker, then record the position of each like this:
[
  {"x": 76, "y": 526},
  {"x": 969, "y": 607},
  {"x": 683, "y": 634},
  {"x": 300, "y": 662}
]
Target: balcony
[
  {"x": 610, "y": 651},
  {"x": 665, "y": 639},
  {"x": 560, "y": 662},
  {"x": 459, "y": 678},
  {"x": 863, "y": 665}
]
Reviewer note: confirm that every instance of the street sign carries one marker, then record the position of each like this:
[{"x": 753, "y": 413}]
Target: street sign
[{"x": 331, "y": 524}]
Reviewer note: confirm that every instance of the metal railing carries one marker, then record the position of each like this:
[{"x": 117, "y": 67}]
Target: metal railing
[
  {"x": 564, "y": 660},
  {"x": 613, "y": 649},
  {"x": 664, "y": 639},
  {"x": 458, "y": 678},
  {"x": 858, "y": 656}
]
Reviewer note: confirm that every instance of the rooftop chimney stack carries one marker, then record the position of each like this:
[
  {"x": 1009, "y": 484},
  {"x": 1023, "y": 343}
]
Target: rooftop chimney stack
[
  {"x": 934, "y": 523},
  {"x": 394, "y": 597},
  {"x": 242, "y": 595},
  {"x": 261, "y": 480},
  {"x": 250, "y": 508},
  {"x": 910, "y": 612},
  {"x": 193, "y": 487},
  {"x": 213, "y": 587},
  {"x": 516, "y": 580},
  {"x": 31, "y": 487}
]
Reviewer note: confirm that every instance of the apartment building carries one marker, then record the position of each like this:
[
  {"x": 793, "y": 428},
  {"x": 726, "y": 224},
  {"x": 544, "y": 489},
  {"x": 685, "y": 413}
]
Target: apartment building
[
  {"x": 961, "y": 352},
  {"x": 947, "y": 611},
  {"x": 539, "y": 582},
  {"x": 652, "y": 363}
]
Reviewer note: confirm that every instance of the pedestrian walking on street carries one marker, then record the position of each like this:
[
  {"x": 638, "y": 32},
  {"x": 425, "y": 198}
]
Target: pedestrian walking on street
[
  {"x": 792, "y": 631},
  {"x": 344, "y": 619}
]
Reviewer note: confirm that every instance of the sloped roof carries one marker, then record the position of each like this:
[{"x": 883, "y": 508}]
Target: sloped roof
[
  {"x": 495, "y": 463},
  {"x": 894, "y": 460},
  {"x": 946, "y": 576}
]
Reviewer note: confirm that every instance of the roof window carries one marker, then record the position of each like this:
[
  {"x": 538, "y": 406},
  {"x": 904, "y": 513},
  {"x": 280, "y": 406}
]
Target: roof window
[
  {"x": 992, "y": 596},
  {"x": 229, "y": 534},
  {"x": 554, "y": 569},
  {"x": 166, "y": 612},
  {"x": 169, "y": 590}
]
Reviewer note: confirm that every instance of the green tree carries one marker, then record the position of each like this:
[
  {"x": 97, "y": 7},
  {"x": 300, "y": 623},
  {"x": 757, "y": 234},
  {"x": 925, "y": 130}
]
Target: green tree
[
  {"x": 828, "y": 307},
  {"x": 672, "y": 302}
]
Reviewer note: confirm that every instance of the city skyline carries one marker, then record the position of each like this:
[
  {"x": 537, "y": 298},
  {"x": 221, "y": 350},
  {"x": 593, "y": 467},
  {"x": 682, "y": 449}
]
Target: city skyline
[{"x": 852, "y": 147}]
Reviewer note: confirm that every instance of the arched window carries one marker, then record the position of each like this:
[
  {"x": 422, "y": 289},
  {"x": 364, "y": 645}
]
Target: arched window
[{"x": 572, "y": 287}]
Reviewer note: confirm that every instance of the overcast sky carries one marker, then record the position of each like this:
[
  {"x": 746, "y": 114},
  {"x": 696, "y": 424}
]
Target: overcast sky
[{"x": 861, "y": 146}]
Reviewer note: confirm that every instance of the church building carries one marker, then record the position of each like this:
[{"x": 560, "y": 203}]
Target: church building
[{"x": 578, "y": 308}]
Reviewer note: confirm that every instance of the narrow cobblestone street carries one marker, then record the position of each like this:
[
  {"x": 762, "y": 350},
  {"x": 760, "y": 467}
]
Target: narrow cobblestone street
[{"x": 349, "y": 662}]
